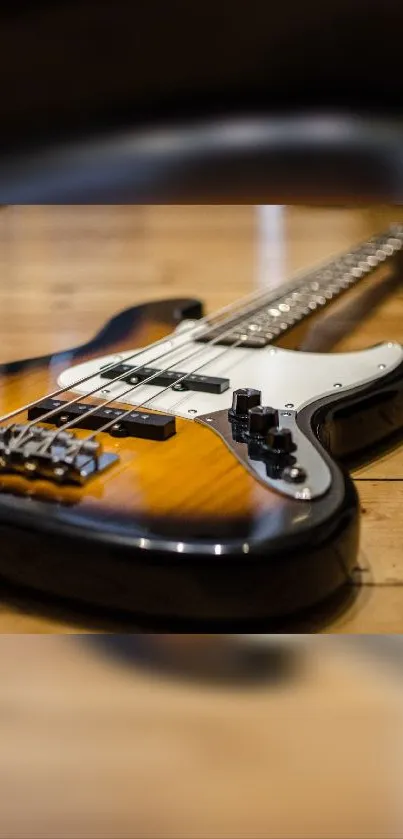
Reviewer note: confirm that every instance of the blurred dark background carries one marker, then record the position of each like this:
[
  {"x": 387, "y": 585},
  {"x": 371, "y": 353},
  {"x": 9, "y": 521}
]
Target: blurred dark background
[
  {"x": 106, "y": 72},
  {"x": 68, "y": 66}
]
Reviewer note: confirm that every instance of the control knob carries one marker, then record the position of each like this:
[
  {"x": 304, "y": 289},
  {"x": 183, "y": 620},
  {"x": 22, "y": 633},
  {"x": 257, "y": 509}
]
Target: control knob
[
  {"x": 261, "y": 419},
  {"x": 243, "y": 400},
  {"x": 280, "y": 440}
]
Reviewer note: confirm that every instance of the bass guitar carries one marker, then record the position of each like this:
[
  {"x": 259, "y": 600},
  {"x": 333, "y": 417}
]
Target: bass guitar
[{"x": 189, "y": 467}]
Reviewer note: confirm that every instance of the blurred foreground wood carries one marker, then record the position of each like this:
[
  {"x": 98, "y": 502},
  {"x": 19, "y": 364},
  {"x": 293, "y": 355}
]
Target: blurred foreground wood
[
  {"x": 65, "y": 270},
  {"x": 95, "y": 746}
]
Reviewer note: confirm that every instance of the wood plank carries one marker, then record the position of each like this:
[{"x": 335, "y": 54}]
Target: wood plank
[{"x": 96, "y": 745}]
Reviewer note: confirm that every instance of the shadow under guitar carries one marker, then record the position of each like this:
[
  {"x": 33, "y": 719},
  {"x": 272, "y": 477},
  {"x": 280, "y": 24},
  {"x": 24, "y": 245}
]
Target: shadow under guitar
[{"x": 94, "y": 619}]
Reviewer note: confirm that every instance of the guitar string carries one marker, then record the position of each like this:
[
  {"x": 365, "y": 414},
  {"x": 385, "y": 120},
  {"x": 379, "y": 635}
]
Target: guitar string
[
  {"x": 77, "y": 446},
  {"x": 302, "y": 274},
  {"x": 118, "y": 419},
  {"x": 121, "y": 376},
  {"x": 140, "y": 351},
  {"x": 93, "y": 410},
  {"x": 76, "y": 449},
  {"x": 122, "y": 415},
  {"x": 356, "y": 252},
  {"x": 200, "y": 351},
  {"x": 238, "y": 308}
]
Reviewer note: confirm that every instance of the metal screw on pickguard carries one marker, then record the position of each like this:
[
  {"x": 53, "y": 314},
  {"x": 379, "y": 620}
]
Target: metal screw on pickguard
[
  {"x": 303, "y": 494},
  {"x": 116, "y": 427},
  {"x": 337, "y": 384},
  {"x": 59, "y": 471},
  {"x": 179, "y": 386},
  {"x": 105, "y": 391},
  {"x": 30, "y": 466},
  {"x": 192, "y": 411},
  {"x": 63, "y": 418},
  {"x": 293, "y": 474},
  {"x": 289, "y": 404},
  {"x": 381, "y": 366}
]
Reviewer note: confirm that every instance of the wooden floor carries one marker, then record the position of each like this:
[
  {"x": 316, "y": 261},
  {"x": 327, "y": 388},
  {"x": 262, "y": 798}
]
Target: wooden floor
[
  {"x": 65, "y": 270},
  {"x": 96, "y": 746}
]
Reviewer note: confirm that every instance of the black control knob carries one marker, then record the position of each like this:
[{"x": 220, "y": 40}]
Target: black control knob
[
  {"x": 280, "y": 440},
  {"x": 261, "y": 420},
  {"x": 243, "y": 400}
]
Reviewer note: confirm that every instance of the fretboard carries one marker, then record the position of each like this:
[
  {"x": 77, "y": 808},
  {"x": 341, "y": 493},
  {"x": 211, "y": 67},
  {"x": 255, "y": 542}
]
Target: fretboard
[{"x": 258, "y": 324}]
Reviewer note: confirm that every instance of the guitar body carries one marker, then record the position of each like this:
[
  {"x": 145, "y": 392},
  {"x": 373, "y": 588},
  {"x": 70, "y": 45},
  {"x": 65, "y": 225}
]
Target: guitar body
[{"x": 181, "y": 528}]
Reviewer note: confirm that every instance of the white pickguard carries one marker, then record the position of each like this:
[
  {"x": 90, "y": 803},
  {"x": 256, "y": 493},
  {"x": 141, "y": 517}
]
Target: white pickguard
[{"x": 286, "y": 378}]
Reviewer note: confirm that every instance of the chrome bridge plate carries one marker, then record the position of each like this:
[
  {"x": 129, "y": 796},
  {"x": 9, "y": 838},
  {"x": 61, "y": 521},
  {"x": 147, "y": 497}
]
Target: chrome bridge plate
[{"x": 61, "y": 457}]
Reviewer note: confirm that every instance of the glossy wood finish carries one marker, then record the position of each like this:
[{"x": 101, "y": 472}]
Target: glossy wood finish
[
  {"x": 181, "y": 247},
  {"x": 175, "y": 529},
  {"x": 174, "y": 476}
]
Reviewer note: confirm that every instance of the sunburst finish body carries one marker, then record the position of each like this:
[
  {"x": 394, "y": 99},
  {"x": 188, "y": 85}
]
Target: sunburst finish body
[{"x": 180, "y": 529}]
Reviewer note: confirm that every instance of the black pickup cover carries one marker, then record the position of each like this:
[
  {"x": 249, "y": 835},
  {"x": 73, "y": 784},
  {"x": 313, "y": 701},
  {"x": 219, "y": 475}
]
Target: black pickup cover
[
  {"x": 193, "y": 381},
  {"x": 135, "y": 424}
]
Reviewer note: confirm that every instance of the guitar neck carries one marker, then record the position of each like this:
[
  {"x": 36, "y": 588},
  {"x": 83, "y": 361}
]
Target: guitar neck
[{"x": 269, "y": 319}]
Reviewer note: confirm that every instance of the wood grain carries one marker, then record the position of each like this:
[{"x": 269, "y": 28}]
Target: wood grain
[
  {"x": 97, "y": 745},
  {"x": 65, "y": 270}
]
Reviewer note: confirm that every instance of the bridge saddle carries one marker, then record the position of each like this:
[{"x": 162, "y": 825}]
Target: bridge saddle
[{"x": 35, "y": 452}]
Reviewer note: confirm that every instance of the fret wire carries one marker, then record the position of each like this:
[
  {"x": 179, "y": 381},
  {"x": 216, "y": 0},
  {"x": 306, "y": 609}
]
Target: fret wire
[
  {"x": 319, "y": 288},
  {"x": 377, "y": 250}
]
